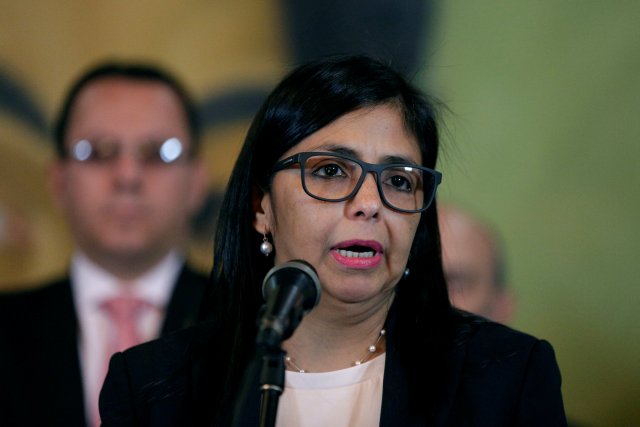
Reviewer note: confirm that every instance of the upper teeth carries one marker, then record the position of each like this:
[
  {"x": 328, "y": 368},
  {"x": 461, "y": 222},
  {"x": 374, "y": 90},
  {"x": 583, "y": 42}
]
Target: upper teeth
[{"x": 352, "y": 254}]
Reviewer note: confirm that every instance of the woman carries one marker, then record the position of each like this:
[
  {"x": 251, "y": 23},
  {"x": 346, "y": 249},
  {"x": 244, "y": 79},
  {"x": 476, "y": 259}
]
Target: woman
[{"x": 337, "y": 169}]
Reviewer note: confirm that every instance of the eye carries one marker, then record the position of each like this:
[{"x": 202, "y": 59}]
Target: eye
[
  {"x": 100, "y": 151},
  {"x": 404, "y": 179},
  {"x": 160, "y": 152},
  {"x": 400, "y": 183},
  {"x": 104, "y": 151},
  {"x": 328, "y": 167},
  {"x": 149, "y": 153},
  {"x": 329, "y": 170}
]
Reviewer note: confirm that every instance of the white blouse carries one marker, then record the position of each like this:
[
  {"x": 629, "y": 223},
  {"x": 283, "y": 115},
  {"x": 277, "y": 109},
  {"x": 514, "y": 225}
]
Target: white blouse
[{"x": 348, "y": 397}]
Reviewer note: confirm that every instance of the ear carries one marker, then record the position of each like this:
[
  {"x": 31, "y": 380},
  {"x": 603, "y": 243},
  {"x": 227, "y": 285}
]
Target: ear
[
  {"x": 263, "y": 214},
  {"x": 199, "y": 186}
]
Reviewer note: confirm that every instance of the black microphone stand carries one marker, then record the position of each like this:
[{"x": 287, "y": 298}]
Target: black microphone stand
[
  {"x": 289, "y": 289},
  {"x": 271, "y": 383},
  {"x": 267, "y": 367}
]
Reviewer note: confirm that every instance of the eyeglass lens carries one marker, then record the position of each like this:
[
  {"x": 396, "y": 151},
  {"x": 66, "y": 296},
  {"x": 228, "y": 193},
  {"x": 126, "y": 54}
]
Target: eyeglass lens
[
  {"x": 103, "y": 151},
  {"x": 335, "y": 178}
]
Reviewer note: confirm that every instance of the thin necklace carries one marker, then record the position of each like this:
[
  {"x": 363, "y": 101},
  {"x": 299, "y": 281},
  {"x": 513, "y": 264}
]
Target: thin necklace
[{"x": 373, "y": 348}]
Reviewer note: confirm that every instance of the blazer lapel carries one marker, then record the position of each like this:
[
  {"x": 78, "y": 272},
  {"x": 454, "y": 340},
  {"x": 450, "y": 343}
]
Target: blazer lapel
[
  {"x": 204, "y": 374},
  {"x": 56, "y": 362},
  {"x": 395, "y": 394},
  {"x": 184, "y": 304},
  {"x": 455, "y": 368}
]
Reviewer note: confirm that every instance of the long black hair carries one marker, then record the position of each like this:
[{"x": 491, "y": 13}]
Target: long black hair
[{"x": 309, "y": 98}]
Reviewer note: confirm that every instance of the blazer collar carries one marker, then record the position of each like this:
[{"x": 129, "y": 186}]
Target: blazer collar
[
  {"x": 395, "y": 397},
  {"x": 395, "y": 392}
]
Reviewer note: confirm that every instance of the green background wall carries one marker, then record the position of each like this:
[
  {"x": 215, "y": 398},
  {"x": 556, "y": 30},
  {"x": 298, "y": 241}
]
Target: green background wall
[{"x": 544, "y": 140}]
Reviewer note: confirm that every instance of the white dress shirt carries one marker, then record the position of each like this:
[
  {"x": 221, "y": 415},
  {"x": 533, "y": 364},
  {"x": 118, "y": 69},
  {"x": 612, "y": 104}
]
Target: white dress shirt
[{"x": 91, "y": 286}]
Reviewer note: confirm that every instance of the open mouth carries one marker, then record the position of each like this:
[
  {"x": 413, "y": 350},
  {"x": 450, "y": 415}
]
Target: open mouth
[
  {"x": 358, "y": 254},
  {"x": 357, "y": 251}
]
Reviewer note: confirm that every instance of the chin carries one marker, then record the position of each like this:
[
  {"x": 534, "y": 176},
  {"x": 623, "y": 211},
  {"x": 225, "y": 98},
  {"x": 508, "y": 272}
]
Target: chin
[
  {"x": 128, "y": 247},
  {"x": 355, "y": 294}
]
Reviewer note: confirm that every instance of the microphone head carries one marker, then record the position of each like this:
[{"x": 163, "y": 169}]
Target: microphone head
[{"x": 297, "y": 272}]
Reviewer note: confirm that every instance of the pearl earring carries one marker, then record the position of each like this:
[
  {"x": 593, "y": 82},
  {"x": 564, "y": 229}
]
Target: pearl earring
[
  {"x": 266, "y": 247},
  {"x": 406, "y": 273}
]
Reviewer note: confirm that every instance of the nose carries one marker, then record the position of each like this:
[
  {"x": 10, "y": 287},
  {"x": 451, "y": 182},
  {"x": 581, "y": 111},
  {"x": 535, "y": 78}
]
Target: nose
[
  {"x": 366, "y": 203},
  {"x": 127, "y": 172}
]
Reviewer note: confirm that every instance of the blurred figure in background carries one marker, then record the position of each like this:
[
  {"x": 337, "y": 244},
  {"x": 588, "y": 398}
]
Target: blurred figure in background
[
  {"x": 128, "y": 179},
  {"x": 474, "y": 265}
]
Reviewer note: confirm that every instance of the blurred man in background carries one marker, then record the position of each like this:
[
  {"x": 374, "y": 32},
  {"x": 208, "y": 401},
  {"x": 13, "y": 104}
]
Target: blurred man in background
[
  {"x": 128, "y": 179},
  {"x": 474, "y": 265}
]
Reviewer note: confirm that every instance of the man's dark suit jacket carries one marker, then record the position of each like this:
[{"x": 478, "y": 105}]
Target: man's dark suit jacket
[
  {"x": 496, "y": 377},
  {"x": 40, "y": 377}
]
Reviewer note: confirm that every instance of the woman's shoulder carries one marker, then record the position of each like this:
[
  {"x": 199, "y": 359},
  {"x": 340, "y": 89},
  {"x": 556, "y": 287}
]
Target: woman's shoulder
[
  {"x": 163, "y": 360},
  {"x": 153, "y": 376},
  {"x": 170, "y": 349},
  {"x": 483, "y": 336},
  {"x": 504, "y": 374},
  {"x": 486, "y": 343}
]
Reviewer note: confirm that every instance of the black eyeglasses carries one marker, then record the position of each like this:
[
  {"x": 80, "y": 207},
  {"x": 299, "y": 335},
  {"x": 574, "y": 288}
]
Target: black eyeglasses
[
  {"x": 336, "y": 178},
  {"x": 103, "y": 151}
]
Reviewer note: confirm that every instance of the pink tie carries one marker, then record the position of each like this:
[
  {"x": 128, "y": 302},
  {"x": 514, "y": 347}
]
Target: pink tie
[{"x": 124, "y": 313}]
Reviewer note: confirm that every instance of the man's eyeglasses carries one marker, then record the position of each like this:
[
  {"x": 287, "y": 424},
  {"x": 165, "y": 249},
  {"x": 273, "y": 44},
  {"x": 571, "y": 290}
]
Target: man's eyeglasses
[
  {"x": 107, "y": 150},
  {"x": 335, "y": 178}
]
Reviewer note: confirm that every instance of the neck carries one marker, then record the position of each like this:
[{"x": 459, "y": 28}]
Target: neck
[{"x": 329, "y": 340}]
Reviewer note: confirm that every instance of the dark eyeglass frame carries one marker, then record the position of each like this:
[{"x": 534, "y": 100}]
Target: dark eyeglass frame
[
  {"x": 377, "y": 169},
  {"x": 166, "y": 152}
]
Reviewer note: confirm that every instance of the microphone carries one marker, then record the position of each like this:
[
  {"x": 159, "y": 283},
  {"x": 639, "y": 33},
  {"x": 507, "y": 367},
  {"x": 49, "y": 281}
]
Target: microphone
[{"x": 290, "y": 290}]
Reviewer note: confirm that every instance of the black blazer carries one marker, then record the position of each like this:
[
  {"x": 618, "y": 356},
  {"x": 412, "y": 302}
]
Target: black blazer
[
  {"x": 497, "y": 377},
  {"x": 40, "y": 378}
]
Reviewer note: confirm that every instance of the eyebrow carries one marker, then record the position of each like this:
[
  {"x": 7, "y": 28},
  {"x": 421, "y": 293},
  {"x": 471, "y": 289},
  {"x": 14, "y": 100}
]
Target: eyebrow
[
  {"x": 339, "y": 149},
  {"x": 345, "y": 151},
  {"x": 399, "y": 159}
]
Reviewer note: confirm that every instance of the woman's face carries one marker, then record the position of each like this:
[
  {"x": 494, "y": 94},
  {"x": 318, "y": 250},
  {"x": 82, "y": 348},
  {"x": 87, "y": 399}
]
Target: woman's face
[{"x": 359, "y": 246}]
